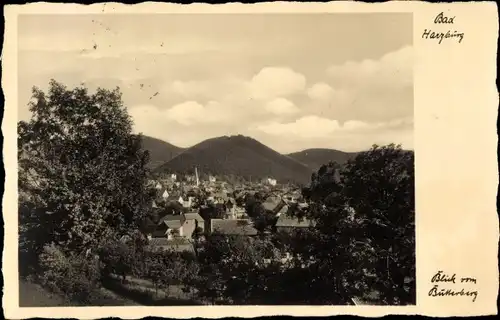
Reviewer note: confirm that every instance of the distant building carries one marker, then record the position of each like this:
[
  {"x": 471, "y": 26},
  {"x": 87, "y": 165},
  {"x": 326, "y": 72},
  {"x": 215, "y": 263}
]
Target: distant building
[
  {"x": 220, "y": 197},
  {"x": 271, "y": 181},
  {"x": 186, "y": 203},
  {"x": 283, "y": 210},
  {"x": 169, "y": 227},
  {"x": 165, "y": 195},
  {"x": 212, "y": 179},
  {"x": 178, "y": 226},
  {"x": 273, "y": 204},
  {"x": 193, "y": 221}
]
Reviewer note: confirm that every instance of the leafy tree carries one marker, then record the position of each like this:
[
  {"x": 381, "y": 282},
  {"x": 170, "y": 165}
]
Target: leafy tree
[
  {"x": 253, "y": 206},
  {"x": 365, "y": 213},
  {"x": 155, "y": 268},
  {"x": 172, "y": 207},
  {"x": 263, "y": 220},
  {"x": 237, "y": 269},
  {"x": 213, "y": 211},
  {"x": 117, "y": 258},
  {"x": 82, "y": 172},
  {"x": 76, "y": 276}
]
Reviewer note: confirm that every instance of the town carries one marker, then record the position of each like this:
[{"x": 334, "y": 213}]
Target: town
[
  {"x": 181, "y": 208},
  {"x": 196, "y": 160}
]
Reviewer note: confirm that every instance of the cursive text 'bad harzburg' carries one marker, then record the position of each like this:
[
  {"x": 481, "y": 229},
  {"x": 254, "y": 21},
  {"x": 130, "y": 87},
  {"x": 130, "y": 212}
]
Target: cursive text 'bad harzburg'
[{"x": 439, "y": 36}]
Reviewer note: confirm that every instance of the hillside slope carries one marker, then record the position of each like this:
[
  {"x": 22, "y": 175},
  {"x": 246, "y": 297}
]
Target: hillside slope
[
  {"x": 240, "y": 156},
  {"x": 315, "y": 158},
  {"x": 159, "y": 151}
]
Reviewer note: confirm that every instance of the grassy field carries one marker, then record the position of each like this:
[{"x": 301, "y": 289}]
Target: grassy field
[
  {"x": 33, "y": 295},
  {"x": 144, "y": 293}
]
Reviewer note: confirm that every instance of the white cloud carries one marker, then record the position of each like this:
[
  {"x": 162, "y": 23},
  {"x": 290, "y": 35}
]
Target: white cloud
[
  {"x": 354, "y": 124},
  {"x": 189, "y": 88},
  {"x": 273, "y": 82},
  {"x": 281, "y": 106},
  {"x": 305, "y": 127},
  {"x": 192, "y": 112},
  {"x": 320, "y": 91},
  {"x": 319, "y": 132},
  {"x": 369, "y": 90},
  {"x": 216, "y": 89},
  {"x": 319, "y": 127},
  {"x": 394, "y": 69}
]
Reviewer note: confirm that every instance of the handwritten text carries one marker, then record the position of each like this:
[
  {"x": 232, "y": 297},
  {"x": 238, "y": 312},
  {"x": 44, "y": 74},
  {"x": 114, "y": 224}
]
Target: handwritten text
[
  {"x": 444, "y": 285},
  {"x": 440, "y": 35}
]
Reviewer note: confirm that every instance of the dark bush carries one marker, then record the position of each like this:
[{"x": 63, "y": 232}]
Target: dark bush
[{"x": 74, "y": 276}]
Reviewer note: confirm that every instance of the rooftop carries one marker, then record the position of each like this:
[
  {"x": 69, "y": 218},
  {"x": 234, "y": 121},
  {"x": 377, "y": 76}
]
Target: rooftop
[
  {"x": 193, "y": 216},
  {"x": 173, "y": 221}
]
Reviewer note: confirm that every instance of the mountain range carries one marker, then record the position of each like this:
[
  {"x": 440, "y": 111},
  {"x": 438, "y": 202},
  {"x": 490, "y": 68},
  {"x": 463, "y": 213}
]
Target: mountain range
[
  {"x": 240, "y": 156},
  {"x": 315, "y": 158},
  {"x": 159, "y": 151}
]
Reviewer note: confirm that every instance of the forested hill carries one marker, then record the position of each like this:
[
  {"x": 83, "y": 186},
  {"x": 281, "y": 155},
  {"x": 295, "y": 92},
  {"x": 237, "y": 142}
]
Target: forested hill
[{"x": 240, "y": 156}]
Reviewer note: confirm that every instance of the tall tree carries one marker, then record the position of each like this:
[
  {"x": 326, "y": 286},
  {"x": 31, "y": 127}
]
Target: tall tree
[
  {"x": 237, "y": 269},
  {"x": 365, "y": 213},
  {"x": 82, "y": 172}
]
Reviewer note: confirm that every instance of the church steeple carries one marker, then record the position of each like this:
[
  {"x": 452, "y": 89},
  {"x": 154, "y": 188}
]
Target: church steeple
[{"x": 197, "y": 178}]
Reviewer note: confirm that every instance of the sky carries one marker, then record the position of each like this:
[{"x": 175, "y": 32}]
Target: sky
[{"x": 291, "y": 81}]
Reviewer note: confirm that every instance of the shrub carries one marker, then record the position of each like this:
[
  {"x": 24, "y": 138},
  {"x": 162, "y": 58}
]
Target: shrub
[
  {"x": 116, "y": 258},
  {"x": 75, "y": 276}
]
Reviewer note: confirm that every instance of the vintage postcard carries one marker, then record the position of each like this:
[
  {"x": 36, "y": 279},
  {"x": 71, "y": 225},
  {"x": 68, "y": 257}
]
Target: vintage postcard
[{"x": 305, "y": 159}]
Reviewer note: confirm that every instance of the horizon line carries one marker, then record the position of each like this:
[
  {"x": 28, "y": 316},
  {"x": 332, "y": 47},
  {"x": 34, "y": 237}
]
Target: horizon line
[{"x": 242, "y": 135}]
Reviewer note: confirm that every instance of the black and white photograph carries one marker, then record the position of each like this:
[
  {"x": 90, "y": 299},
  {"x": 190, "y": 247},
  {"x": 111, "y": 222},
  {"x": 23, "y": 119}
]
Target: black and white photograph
[{"x": 216, "y": 159}]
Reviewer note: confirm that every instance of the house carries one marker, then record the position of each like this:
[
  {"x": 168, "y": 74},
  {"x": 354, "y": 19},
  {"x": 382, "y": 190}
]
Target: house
[
  {"x": 170, "y": 226},
  {"x": 165, "y": 194},
  {"x": 271, "y": 181},
  {"x": 274, "y": 204},
  {"x": 233, "y": 227},
  {"x": 235, "y": 212},
  {"x": 178, "y": 226},
  {"x": 193, "y": 221},
  {"x": 186, "y": 203},
  {"x": 220, "y": 197},
  {"x": 283, "y": 210},
  {"x": 288, "y": 223}
]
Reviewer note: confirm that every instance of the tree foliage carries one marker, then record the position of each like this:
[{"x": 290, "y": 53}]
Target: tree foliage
[
  {"x": 362, "y": 242},
  {"x": 81, "y": 170},
  {"x": 236, "y": 269},
  {"x": 74, "y": 275},
  {"x": 365, "y": 213}
]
